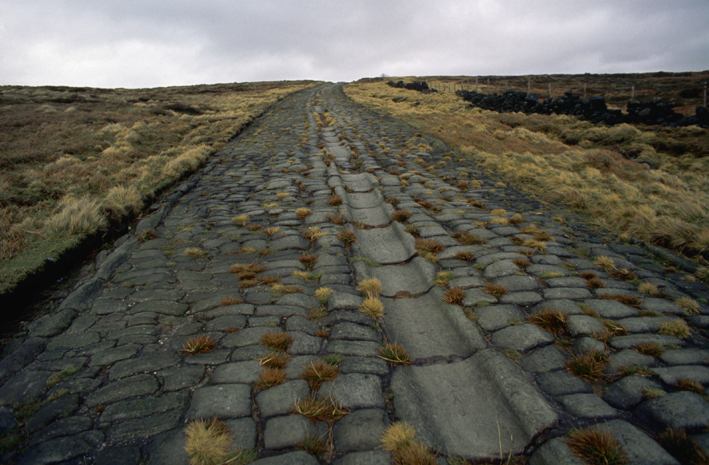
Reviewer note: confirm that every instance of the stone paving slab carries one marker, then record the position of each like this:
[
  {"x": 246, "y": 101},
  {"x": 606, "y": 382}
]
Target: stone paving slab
[{"x": 247, "y": 248}]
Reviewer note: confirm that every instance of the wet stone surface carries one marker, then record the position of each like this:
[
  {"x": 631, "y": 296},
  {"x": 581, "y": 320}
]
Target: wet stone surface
[{"x": 251, "y": 283}]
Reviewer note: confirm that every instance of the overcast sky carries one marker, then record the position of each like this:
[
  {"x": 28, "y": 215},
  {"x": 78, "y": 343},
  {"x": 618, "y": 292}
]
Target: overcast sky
[{"x": 151, "y": 43}]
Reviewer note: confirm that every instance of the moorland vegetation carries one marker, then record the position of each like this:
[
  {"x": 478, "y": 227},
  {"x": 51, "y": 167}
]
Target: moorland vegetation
[
  {"x": 585, "y": 167},
  {"x": 74, "y": 161}
]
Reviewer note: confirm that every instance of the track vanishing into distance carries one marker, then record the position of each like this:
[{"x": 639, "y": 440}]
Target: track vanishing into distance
[{"x": 106, "y": 379}]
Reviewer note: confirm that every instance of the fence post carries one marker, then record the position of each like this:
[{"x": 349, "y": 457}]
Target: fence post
[
  {"x": 632, "y": 93},
  {"x": 705, "y": 94},
  {"x": 476, "y": 85},
  {"x": 584, "y": 90},
  {"x": 550, "y": 90},
  {"x": 529, "y": 85},
  {"x": 487, "y": 89}
]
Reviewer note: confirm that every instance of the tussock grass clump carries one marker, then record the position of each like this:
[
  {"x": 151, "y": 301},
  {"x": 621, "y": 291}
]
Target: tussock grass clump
[
  {"x": 495, "y": 290},
  {"x": 398, "y": 439},
  {"x": 650, "y": 348},
  {"x": 313, "y": 234},
  {"x": 690, "y": 305},
  {"x": 247, "y": 271},
  {"x": 553, "y": 321},
  {"x": 323, "y": 409},
  {"x": 648, "y": 288},
  {"x": 498, "y": 212},
  {"x": 308, "y": 261},
  {"x": 303, "y": 213},
  {"x": 334, "y": 200},
  {"x": 522, "y": 263},
  {"x": 123, "y": 201},
  {"x": 454, "y": 296},
  {"x": 253, "y": 227},
  {"x": 394, "y": 354},
  {"x": 402, "y": 216},
  {"x": 677, "y": 328},
  {"x": 371, "y": 287},
  {"x": 347, "y": 237},
  {"x": 226, "y": 301},
  {"x": 208, "y": 442},
  {"x": 270, "y": 377},
  {"x": 465, "y": 256},
  {"x": 413, "y": 230},
  {"x": 630, "y": 300},
  {"x": 323, "y": 294},
  {"x": 282, "y": 195},
  {"x": 195, "y": 252},
  {"x": 317, "y": 373},
  {"x": 275, "y": 360},
  {"x": 589, "y": 366},
  {"x": 314, "y": 446},
  {"x": 311, "y": 276},
  {"x": 428, "y": 249},
  {"x": 270, "y": 232},
  {"x": 201, "y": 344},
  {"x": 82, "y": 216},
  {"x": 336, "y": 218},
  {"x": 279, "y": 341},
  {"x": 596, "y": 447},
  {"x": 467, "y": 238},
  {"x": 372, "y": 307},
  {"x": 443, "y": 278},
  {"x": 684, "y": 384}
]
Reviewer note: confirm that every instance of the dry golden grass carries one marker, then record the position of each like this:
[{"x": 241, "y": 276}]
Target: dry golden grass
[
  {"x": 399, "y": 439},
  {"x": 553, "y": 321},
  {"x": 372, "y": 307},
  {"x": 371, "y": 287},
  {"x": 73, "y": 158},
  {"x": 279, "y": 341},
  {"x": 596, "y": 447},
  {"x": 323, "y": 409},
  {"x": 574, "y": 162},
  {"x": 394, "y": 354}
]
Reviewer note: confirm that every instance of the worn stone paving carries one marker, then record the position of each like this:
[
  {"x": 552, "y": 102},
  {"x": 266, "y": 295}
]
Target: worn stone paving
[{"x": 103, "y": 376}]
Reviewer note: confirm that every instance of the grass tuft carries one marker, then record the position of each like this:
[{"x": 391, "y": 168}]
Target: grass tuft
[
  {"x": 428, "y": 249},
  {"x": 226, "y": 301},
  {"x": 467, "y": 238},
  {"x": 677, "y": 328},
  {"x": 553, "y": 321},
  {"x": 270, "y": 377},
  {"x": 372, "y": 307},
  {"x": 201, "y": 344},
  {"x": 454, "y": 296},
  {"x": 691, "y": 305},
  {"x": 317, "y": 373},
  {"x": 347, "y": 237},
  {"x": 589, "y": 366},
  {"x": 336, "y": 218},
  {"x": 303, "y": 213},
  {"x": 323, "y": 409},
  {"x": 313, "y": 234},
  {"x": 394, "y": 354},
  {"x": 402, "y": 216},
  {"x": 323, "y": 294},
  {"x": 465, "y": 256},
  {"x": 208, "y": 442},
  {"x": 371, "y": 287},
  {"x": 334, "y": 200},
  {"x": 650, "y": 348},
  {"x": 308, "y": 261},
  {"x": 279, "y": 341},
  {"x": 596, "y": 447},
  {"x": 495, "y": 290},
  {"x": 277, "y": 360}
]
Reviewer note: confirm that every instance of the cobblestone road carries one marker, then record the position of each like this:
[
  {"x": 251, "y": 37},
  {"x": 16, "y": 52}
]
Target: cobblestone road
[{"x": 276, "y": 236}]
